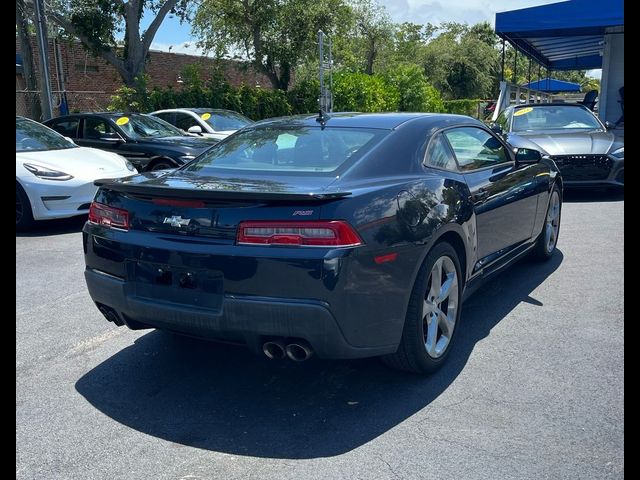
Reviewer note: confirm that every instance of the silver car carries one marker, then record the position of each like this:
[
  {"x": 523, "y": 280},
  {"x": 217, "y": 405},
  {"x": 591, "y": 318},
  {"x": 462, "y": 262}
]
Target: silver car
[{"x": 584, "y": 149}]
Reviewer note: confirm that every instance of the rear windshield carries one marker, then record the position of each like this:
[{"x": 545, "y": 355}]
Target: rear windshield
[{"x": 291, "y": 149}]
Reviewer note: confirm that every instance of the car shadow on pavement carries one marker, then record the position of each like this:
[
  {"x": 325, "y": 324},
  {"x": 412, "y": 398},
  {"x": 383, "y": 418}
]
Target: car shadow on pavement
[
  {"x": 222, "y": 398},
  {"x": 584, "y": 195},
  {"x": 54, "y": 227}
]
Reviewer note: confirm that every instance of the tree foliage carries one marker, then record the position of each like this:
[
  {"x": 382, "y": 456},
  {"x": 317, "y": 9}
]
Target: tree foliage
[
  {"x": 276, "y": 35},
  {"x": 368, "y": 40},
  {"x": 359, "y": 92},
  {"x": 461, "y": 62},
  {"x": 97, "y": 23},
  {"x": 415, "y": 93}
]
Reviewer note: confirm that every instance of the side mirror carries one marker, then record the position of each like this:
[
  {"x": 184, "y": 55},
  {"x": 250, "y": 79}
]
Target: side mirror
[
  {"x": 70, "y": 140},
  {"x": 111, "y": 137},
  {"x": 527, "y": 156},
  {"x": 195, "y": 129},
  {"x": 608, "y": 125},
  {"x": 495, "y": 128}
]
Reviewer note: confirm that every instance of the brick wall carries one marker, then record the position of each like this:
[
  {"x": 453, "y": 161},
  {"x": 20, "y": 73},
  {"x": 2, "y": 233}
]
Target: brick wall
[{"x": 85, "y": 72}]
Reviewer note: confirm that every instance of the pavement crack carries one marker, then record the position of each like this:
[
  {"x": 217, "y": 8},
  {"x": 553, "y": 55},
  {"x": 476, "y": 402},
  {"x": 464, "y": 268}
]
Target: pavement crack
[{"x": 393, "y": 472}]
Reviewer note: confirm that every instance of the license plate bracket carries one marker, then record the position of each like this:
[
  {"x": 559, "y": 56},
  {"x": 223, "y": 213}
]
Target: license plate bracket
[{"x": 165, "y": 283}]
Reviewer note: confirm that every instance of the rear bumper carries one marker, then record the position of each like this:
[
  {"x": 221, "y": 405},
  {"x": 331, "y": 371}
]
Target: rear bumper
[{"x": 248, "y": 319}]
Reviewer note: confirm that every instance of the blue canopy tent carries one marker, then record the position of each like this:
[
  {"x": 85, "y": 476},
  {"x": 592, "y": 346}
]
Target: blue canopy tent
[
  {"x": 562, "y": 36},
  {"x": 571, "y": 35},
  {"x": 553, "y": 85}
]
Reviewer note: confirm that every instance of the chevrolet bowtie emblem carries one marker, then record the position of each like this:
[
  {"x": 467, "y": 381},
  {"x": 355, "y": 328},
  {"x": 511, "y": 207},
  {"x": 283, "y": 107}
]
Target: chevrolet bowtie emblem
[{"x": 176, "y": 221}]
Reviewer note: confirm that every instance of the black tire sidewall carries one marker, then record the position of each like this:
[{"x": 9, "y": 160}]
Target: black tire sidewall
[
  {"x": 27, "y": 215},
  {"x": 541, "y": 247},
  {"x": 163, "y": 164},
  {"x": 414, "y": 326}
]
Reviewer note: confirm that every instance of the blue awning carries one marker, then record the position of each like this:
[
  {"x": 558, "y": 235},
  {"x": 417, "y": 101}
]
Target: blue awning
[
  {"x": 563, "y": 36},
  {"x": 553, "y": 85}
]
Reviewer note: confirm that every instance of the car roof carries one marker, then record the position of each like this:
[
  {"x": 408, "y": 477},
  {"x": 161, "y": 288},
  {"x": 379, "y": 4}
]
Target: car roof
[
  {"x": 198, "y": 110},
  {"x": 551, "y": 104},
  {"x": 386, "y": 121},
  {"x": 99, "y": 114}
]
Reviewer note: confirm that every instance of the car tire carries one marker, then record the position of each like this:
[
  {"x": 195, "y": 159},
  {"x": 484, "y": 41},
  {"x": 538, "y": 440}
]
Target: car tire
[
  {"x": 24, "y": 214},
  {"x": 548, "y": 238},
  {"x": 424, "y": 345},
  {"x": 163, "y": 165}
]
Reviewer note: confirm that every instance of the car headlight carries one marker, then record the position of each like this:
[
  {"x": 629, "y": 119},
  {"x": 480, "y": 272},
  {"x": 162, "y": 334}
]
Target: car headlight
[
  {"x": 46, "y": 173},
  {"x": 187, "y": 158},
  {"x": 619, "y": 153},
  {"x": 130, "y": 166}
]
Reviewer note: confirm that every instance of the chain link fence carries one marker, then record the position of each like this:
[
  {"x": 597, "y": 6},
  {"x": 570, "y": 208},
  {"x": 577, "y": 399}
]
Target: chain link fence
[{"x": 28, "y": 102}]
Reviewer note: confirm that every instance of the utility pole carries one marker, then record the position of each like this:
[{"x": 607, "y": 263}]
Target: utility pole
[{"x": 41, "y": 38}]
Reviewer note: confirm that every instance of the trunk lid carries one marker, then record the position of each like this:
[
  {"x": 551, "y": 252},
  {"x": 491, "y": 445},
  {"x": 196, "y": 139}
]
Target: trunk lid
[{"x": 188, "y": 205}]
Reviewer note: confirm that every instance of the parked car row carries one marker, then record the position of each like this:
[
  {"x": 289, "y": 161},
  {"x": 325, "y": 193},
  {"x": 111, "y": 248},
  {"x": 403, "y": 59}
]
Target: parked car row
[
  {"x": 55, "y": 171},
  {"x": 342, "y": 235},
  {"x": 149, "y": 143},
  {"x": 54, "y": 176}
]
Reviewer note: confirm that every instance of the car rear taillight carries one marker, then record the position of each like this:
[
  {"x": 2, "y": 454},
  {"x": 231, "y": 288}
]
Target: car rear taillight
[
  {"x": 111, "y": 217},
  {"x": 334, "y": 233}
]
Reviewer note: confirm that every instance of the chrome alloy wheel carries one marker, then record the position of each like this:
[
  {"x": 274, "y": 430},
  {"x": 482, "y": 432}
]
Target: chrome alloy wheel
[
  {"x": 440, "y": 307},
  {"x": 552, "y": 224}
]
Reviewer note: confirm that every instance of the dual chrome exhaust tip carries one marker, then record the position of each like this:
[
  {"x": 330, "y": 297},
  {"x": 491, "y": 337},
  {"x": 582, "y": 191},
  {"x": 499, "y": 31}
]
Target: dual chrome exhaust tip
[{"x": 298, "y": 351}]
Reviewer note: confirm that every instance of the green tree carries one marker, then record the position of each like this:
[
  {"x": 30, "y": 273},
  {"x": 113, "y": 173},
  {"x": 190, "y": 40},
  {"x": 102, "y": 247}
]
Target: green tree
[
  {"x": 461, "y": 62},
  {"x": 96, "y": 22},
  {"x": 410, "y": 40},
  {"x": 359, "y": 92},
  {"x": 276, "y": 35},
  {"x": 415, "y": 93},
  {"x": 368, "y": 38}
]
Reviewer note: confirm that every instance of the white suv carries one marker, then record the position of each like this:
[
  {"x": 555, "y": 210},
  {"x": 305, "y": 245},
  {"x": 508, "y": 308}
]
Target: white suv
[{"x": 209, "y": 122}]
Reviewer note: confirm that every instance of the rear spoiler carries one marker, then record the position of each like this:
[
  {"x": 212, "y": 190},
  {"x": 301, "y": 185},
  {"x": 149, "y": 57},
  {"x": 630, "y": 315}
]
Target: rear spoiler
[{"x": 151, "y": 191}]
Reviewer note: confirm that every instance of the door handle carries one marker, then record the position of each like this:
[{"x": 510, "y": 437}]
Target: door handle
[{"x": 480, "y": 195}]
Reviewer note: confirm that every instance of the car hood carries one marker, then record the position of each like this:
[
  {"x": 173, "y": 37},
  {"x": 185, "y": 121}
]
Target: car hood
[
  {"x": 81, "y": 162},
  {"x": 573, "y": 142},
  {"x": 186, "y": 141}
]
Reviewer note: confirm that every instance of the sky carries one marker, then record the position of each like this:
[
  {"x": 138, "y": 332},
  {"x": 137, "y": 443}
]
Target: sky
[{"x": 178, "y": 36}]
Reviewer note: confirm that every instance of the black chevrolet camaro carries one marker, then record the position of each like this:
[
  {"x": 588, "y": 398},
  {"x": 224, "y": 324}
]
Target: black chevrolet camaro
[{"x": 354, "y": 235}]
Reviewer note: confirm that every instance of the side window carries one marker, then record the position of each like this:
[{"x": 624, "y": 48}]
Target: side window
[
  {"x": 439, "y": 154},
  {"x": 167, "y": 117},
  {"x": 185, "y": 121},
  {"x": 95, "y": 128},
  {"x": 475, "y": 148},
  {"x": 67, "y": 127}
]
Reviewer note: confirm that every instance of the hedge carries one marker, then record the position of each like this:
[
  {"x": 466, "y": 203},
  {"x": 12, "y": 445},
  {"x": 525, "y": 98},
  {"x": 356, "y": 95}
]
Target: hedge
[{"x": 405, "y": 89}]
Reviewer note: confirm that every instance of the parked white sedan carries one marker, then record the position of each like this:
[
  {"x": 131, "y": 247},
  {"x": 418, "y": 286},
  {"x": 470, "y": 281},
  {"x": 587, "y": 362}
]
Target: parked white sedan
[
  {"x": 209, "y": 122},
  {"x": 54, "y": 176}
]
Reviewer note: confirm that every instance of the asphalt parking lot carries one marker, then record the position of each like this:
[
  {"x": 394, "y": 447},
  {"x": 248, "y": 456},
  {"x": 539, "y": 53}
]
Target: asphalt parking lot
[{"x": 533, "y": 387}]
